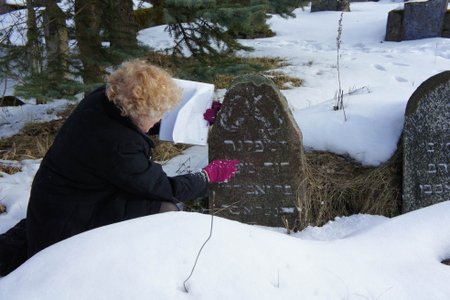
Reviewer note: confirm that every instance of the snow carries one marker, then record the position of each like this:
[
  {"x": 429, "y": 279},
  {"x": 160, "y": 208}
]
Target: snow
[
  {"x": 355, "y": 257},
  {"x": 13, "y": 119},
  {"x": 16, "y": 2},
  {"x": 151, "y": 257},
  {"x": 380, "y": 76}
]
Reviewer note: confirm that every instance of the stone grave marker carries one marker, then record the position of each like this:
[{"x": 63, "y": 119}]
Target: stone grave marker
[
  {"x": 394, "y": 27},
  {"x": 256, "y": 127},
  {"x": 423, "y": 19},
  {"x": 426, "y": 144},
  {"x": 418, "y": 20}
]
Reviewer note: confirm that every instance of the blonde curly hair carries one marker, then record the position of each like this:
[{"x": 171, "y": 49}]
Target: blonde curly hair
[{"x": 141, "y": 90}]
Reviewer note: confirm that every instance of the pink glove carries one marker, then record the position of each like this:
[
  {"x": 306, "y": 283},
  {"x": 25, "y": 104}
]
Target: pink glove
[
  {"x": 220, "y": 170},
  {"x": 211, "y": 113}
]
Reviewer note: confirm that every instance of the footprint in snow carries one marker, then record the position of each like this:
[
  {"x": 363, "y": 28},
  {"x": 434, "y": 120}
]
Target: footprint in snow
[
  {"x": 400, "y": 79},
  {"x": 359, "y": 45},
  {"x": 379, "y": 67},
  {"x": 400, "y": 64}
]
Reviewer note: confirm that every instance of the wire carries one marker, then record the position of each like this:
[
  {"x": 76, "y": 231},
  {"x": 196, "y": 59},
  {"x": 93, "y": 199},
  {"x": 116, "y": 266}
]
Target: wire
[{"x": 201, "y": 248}]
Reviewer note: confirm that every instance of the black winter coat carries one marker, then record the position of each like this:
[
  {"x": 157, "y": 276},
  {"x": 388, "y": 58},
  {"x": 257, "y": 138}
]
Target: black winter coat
[{"x": 99, "y": 171}]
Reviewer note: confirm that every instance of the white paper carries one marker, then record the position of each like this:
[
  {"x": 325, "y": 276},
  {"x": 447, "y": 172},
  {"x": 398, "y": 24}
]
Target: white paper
[{"x": 185, "y": 124}]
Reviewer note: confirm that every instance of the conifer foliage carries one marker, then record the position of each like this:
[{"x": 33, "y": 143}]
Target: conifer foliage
[
  {"x": 54, "y": 49},
  {"x": 209, "y": 27}
]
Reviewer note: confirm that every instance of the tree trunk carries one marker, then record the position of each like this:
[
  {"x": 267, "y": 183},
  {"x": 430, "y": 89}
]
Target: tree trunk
[
  {"x": 33, "y": 46},
  {"x": 121, "y": 26},
  {"x": 56, "y": 41},
  {"x": 87, "y": 29}
]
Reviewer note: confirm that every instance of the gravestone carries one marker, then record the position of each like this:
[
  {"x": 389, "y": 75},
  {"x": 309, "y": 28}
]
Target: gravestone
[
  {"x": 426, "y": 144},
  {"x": 446, "y": 26},
  {"x": 256, "y": 127},
  {"x": 394, "y": 27},
  {"x": 330, "y": 5},
  {"x": 424, "y": 19},
  {"x": 418, "y": 20}
]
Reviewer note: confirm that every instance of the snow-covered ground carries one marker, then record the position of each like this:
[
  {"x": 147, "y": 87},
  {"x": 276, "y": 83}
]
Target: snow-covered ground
[
  {"x": 150, "y": 258},
  {"x": 356, "y": 257}
]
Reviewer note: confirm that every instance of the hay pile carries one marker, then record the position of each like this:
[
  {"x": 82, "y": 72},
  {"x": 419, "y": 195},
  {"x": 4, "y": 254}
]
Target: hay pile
[
  {"x": 337, "y": 186},
  {"x": 31, "y": 143},
  {"x": 36, "y": 138}
]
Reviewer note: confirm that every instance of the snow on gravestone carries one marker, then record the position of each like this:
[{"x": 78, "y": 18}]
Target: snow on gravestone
[
  {"x": 426, "y": 144},
  {"x": 256, "y": 127}
]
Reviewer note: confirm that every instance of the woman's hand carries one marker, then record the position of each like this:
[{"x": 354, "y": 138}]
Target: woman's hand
[{"x": 220, "y": 170}]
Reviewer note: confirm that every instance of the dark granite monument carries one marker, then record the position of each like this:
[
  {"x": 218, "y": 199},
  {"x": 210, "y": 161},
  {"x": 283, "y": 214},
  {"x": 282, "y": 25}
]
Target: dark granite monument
[
  {"x": 256, "y": 127},
  {"x": 424, "y": 19},
  {"x": 330, "y": 5},
  {"x": 418, "y": 20},
  {"x": 426, "y": 143}
]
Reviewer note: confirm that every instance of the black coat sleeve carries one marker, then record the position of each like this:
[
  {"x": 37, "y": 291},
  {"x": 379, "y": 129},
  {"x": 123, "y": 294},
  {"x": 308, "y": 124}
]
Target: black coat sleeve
[{"x": 133, "y": 172}]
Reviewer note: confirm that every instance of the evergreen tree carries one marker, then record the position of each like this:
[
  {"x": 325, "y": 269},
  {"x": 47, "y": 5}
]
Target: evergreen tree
[
  {"x": 121, "y": 29},
  {"x": 45, "y": 70},
  {"x": 46, "y": 67},
  {"x": 43, "y": 65},
  {"x": 56, "y": 41},
  {"x": 87, "y": 31},
  {"x": 211, "y": 27},
  {"x": 34, "y": 48}
]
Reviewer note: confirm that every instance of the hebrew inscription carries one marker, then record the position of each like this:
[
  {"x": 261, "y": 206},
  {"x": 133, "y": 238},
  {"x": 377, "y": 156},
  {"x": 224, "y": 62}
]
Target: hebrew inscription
[
  {"x": 426, "y": 144},
  {"x": 256, "y": 127}
]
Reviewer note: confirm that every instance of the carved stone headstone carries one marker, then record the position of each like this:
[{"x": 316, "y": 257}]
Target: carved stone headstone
[
  {"x": 424, "y": 19},
  {"x": 256, "y": 127},
  {"x": 426, "y": 144},
  {"x": 330, "y": 5}
]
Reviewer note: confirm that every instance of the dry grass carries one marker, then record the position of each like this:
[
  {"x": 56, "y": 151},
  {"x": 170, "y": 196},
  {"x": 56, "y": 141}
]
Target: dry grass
[
  {"x": 284, "y": 81},
  {"x": 31, "y": 143},
  {"x": 446, "y": 262},
  {"x": 166, "y": 150},
  {"x": 223, "y": 81},
  {"x": 36, "y": 138},
  {"x": 226, "y": 69},
  {"x": 9, "y": 169},
  {"x": 2, "y": 208},
  {"x": 337, "y": 186}
]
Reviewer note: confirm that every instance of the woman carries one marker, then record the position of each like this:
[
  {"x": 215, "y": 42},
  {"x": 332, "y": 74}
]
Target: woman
[{"x": 99, "y": 169}]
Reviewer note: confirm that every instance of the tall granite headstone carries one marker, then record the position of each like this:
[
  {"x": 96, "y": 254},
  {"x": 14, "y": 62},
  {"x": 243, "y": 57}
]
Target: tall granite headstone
[
  {"x": 426, "y": 144},
  {"x": 256, "y": 127},
  {"x": 424, "y": 19}
]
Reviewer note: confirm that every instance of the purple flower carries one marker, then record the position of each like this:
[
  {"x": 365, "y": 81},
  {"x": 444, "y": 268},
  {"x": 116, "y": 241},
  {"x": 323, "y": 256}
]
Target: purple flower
[{"x": 211, "y": 113}]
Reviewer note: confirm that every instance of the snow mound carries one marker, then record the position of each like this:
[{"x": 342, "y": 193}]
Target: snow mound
[{"x": 150, "y": 257}]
